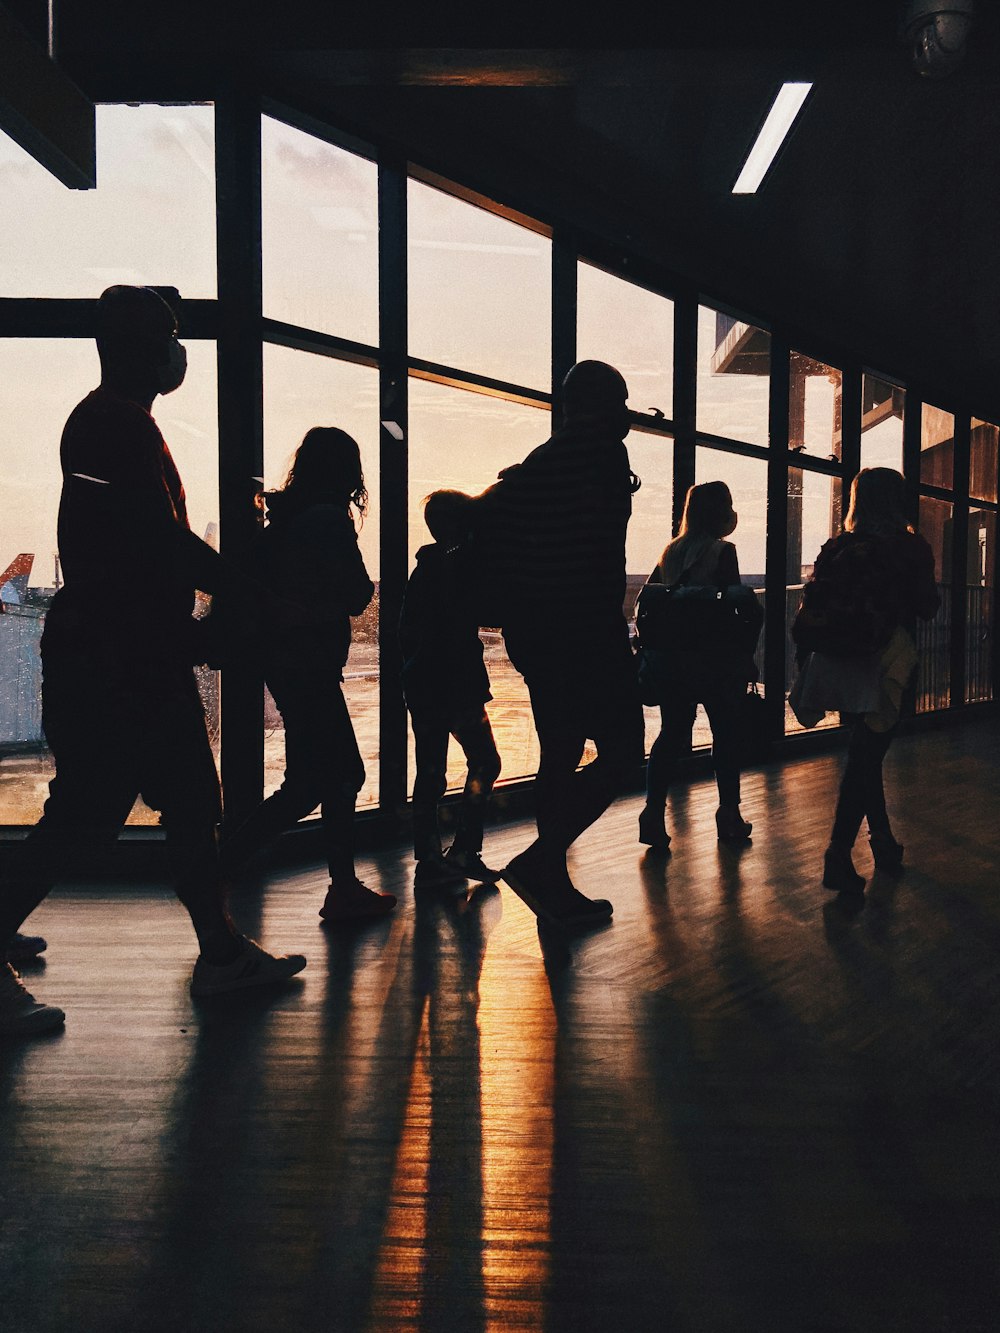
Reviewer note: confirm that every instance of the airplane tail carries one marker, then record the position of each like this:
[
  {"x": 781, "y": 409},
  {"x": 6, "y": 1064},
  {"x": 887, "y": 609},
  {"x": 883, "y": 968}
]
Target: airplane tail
[{"x": 14, "y": 579}]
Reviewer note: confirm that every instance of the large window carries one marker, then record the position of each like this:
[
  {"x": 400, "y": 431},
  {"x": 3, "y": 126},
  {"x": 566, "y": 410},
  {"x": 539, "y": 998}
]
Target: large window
[
  {"x": 632, "y": 329},
  {"x": 734, "y": 366},
  {"x": 479, "y": 290},
  {"x": 319, "y": 219},
  {"x": 459, "y": 440},
  {"x": 477, "y": 314},
  {"x": 150, "y": 220}
]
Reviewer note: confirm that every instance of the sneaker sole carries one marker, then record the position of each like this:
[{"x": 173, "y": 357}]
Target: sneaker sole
[
  {"x": 50, "y": 1019},
  {"x": 270, "y": 977},
  {"x": 544, "y": 913}
]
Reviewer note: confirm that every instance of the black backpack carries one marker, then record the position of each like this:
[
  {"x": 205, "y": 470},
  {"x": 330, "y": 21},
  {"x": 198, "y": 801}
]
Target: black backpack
[{"x": 849, "y": 611}]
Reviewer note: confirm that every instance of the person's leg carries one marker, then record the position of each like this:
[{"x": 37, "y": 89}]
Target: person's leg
[
  {"x": 475, "y": 735},
  {"x": 430, "y": 738},
  {"x": 573, "y": 696},
  {"x": 722, "y": 704},
  {"x": 676, "y": 720},
  {"x": 179, "y": 778},
  {"x": 856, "y": 784},
  {"x": 87, "y": 724}
]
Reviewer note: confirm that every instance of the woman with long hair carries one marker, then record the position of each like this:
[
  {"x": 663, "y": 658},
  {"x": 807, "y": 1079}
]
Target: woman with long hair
[
  {"x": 308, "y": 558},
  {"x": 700, "y": 556},
  {"x": 882, "y": 573}
]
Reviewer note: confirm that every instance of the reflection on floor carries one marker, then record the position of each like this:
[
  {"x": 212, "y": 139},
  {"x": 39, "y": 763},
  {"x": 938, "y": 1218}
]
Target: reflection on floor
[{"x": 735, "y": 1108}]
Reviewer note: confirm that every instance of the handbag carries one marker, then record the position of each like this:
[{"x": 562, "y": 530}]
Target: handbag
[{"x": 697, "y": 617}]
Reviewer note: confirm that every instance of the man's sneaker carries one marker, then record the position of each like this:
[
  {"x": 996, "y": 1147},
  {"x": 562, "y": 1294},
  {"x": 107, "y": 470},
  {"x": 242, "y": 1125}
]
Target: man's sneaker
[
  {"x": 436, "y": 872},
  {"x": 253, "y": 966},
  {"x": 21, "y": 1015},
  {"x": 22, "y": 948},
  {"x": 471, "y": 865},
  {"x": 552, "y": 896},
  {"x": 355, "y": 901}
]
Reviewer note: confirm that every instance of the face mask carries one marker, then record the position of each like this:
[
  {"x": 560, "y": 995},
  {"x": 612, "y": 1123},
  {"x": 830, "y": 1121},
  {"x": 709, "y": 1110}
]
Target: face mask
[{"x": 170, "y": 374}]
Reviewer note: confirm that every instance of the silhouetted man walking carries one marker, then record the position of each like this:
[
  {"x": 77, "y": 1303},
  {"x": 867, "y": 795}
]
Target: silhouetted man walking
[
  {"x": 120, "y": 706},
  {"x": 554, "y": 533}
]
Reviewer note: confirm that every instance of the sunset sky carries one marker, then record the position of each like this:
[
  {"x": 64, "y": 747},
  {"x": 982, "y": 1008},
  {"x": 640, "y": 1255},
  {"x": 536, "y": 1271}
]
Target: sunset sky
[{"x": 479, "y": 300}]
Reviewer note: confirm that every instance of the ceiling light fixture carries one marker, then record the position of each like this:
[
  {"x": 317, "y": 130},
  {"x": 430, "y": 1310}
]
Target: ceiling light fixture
[
  {"x": 935, "y": 31},
  {"x": 773, "y": 133}
]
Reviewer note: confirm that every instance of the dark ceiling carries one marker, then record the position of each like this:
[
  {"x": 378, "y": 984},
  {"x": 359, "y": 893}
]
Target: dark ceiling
[{"x": 875, "y": 231}]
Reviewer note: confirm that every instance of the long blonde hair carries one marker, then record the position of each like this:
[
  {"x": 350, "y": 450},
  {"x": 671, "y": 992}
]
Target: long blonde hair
[
  {"x": 708, "y": 511},
  {"x": 878, "y": 503}
]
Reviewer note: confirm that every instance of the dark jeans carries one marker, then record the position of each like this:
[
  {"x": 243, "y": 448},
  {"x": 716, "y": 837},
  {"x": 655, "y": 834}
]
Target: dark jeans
[
  {"x": 862, "y": 795},
  {"x": 581, "y": 688},
  {"x": 722, "y": 704},
  {"x": 323, "y": 767},
  {"x": 117, "y": 731},
  {"x": 474, "y": 734}
]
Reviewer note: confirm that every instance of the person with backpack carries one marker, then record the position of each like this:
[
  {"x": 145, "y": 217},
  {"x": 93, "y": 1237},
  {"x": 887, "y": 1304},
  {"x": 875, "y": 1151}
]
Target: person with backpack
[
  {"x": 853, "y": 634},
  {"x": 446, "y": 687},
  {"x": 703, "y": 658},
  {"x": 308, "y": 557}
]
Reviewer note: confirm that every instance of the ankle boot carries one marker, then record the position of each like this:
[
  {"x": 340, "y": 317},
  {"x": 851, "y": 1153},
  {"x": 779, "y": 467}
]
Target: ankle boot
[
  {"x": 652, "y": 831},
  {"x": 839, "y": 874},
  {"x": 888, "y": 854},
  {"x": 731, "y": 825}
]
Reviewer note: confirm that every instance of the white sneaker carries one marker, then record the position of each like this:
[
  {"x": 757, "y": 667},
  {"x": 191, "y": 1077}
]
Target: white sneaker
[
  {"x": 253, "y": 966},
  {"x": 21, "y": 1015}
]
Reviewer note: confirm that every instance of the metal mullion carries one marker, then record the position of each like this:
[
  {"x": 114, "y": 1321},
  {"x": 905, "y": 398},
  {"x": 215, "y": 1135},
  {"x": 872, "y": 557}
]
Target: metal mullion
[
  {"x": 73, "y": 317},
  {"x": 726, "y": 446},
  {"x": 241, "y": 393},
  {"x": 776, "y": 552},
  {"x": 912, "y": 422},
  {"x": 685, "y": 399},
  {"x": 321, "y": 344},
  {"x": 850, "y": 431},
  {"x": 393, "y": 474},
  {"x": 959, "y": 559},
  {"x": 454, "y": 378},
  {"x": 564, "y": 315},
  {"x": 661, "y": 426}
]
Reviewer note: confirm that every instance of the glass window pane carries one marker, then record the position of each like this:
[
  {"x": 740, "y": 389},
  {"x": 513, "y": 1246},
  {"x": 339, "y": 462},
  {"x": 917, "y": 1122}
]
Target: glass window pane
[
  {"x": 983, "y": 460},
  {"x": 814, "y": 517},
  {"x": 44, "y": 380},
  {"x": 633, "y": 330},
  {"x": 460, "y": 441},
  {"x": 649, "y": 529},
  {"x": 747, "y": 482},
  {"x": 937, "y": 447},
  {"x": 814, "y": 407},
  {"x": 934, "y": 636},
  {"x": 320, "y": 234},
  {"x": 881, "y": 423},
  {"x": 979, "y": 606},
  {"x": 734, "y": 367},
  {"x": 150, "y": 220},
  {"x": 479, "y": 290},
  {"x": 300, "y": 391}
]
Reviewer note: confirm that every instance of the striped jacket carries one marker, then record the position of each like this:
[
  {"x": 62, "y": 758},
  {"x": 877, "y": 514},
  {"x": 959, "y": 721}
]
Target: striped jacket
[{"x": 552, "y": 530}]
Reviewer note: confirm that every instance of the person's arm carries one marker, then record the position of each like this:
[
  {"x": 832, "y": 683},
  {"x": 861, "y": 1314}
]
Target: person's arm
[{"x": 328, "y": 544}]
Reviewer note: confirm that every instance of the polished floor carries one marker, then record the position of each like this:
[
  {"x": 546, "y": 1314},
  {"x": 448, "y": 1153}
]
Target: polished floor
[{"x": 737, "y": 1107}]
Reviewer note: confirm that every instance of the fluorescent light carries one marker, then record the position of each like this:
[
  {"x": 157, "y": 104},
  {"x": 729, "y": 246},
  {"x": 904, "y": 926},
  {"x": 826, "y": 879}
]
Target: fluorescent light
[{"x": 787, "y": 106}]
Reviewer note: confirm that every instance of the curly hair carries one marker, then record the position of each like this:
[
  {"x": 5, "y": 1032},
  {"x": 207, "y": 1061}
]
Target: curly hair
[{"x": 327, "y": 465}]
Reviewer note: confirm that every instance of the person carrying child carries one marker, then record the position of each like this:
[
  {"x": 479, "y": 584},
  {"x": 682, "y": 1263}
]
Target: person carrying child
[{"x": 446, "y": 685}]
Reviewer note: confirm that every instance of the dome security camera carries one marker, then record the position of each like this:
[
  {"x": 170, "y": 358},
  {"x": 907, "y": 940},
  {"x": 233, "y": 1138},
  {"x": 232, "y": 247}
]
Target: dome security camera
[{"x": 935, "y": 31}]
